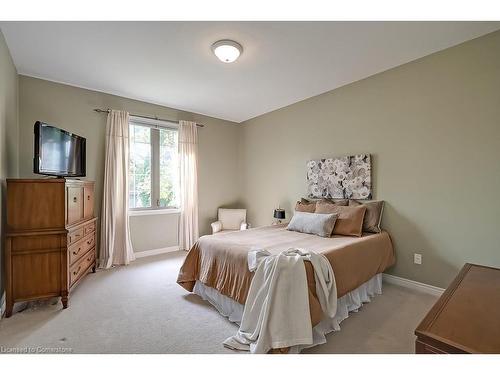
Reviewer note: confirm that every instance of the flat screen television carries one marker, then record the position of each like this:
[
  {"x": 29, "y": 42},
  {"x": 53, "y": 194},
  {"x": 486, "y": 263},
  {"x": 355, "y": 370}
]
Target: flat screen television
[{"x": 58, "y": 152}]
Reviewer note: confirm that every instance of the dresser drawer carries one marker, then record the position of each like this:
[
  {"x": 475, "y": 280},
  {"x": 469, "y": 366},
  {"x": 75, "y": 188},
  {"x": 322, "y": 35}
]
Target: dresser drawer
[
  {"x": 77, "y": 250},
  {"x": 89, "y": 228},
  {"x": 75, "y": 236},
  {"x": 81, "y": 267},
  {"x": 89, "y": 241}
]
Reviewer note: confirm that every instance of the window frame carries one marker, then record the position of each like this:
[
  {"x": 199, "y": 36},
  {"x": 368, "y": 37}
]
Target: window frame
[{"x": 154, "y": 126}]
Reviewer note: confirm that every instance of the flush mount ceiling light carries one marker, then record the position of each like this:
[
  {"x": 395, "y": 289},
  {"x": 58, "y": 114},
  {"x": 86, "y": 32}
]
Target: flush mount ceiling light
[{"x": 226, "y": 50}]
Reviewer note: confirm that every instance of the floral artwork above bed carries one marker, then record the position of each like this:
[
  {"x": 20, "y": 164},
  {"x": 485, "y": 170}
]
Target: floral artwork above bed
[{"x": 343, "y": 177}]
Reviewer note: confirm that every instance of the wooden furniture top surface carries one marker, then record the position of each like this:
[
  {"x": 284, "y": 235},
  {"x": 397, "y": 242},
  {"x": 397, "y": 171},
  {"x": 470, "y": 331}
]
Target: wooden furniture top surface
[
  {"x": 467, "y": 315},
  {"x": 49, "y": 180},
  {"x": 31, "y": 180}
]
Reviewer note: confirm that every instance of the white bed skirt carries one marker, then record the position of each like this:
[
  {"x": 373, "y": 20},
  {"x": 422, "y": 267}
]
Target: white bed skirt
[{"x": 350, "y": 302}]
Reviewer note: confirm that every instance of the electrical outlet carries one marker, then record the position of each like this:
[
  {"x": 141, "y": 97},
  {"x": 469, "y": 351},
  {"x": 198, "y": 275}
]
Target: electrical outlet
[{"x": 417, "y": 258}]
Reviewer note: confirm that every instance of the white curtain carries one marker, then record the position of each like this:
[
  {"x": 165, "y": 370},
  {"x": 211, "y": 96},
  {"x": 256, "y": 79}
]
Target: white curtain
[
  {"x": 116, "y": 248},
  {"x": 188, "y": 171}
]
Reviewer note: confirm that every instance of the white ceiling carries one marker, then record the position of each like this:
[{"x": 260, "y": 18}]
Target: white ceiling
[{"x": 170, "y": 63}]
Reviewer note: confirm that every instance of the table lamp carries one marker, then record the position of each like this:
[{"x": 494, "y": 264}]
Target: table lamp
[{"x": 279, "y": 214}]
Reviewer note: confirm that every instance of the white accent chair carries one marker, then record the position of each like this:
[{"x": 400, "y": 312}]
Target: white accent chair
[{"x": 230, "y": 219}]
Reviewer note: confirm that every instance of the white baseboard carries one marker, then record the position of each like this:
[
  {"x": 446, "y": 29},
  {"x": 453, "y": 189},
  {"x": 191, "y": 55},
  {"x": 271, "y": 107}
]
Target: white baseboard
[
  {"x": 415, "y": 285},
  {"x": 2, "y": 305},
  {"x": 163, "y": 250}
]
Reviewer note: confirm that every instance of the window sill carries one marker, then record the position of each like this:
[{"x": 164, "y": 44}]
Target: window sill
[{"x": 162, "y": 211}]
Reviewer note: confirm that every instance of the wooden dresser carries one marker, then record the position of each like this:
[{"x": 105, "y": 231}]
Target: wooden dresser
[
  {"x": 466, "y": 319},
  {"x": 50, "y": 238}
]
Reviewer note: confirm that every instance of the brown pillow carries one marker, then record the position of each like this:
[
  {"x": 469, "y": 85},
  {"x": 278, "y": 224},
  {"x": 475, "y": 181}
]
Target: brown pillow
[
  {"x": 373, "y": 215},
  {"x": 338, "y": 202},
  {"x": 350, "y": 220},
  {"x": 305, "y": 206}
]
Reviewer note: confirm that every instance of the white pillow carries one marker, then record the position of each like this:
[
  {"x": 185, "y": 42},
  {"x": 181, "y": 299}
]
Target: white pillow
[{"x": 311, "y": 223}]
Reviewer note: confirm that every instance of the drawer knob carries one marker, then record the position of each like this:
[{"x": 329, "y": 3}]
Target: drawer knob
[
  {"x": 88, "y": 197},
  {"x": 76, "y": 252},
  {"x": 74, "y": 199},
  {"x": 78, "y": 270}
]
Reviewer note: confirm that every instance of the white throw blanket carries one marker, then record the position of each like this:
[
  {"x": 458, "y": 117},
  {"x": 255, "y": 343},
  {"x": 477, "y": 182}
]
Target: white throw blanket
[{"x": 276, "y": 313}]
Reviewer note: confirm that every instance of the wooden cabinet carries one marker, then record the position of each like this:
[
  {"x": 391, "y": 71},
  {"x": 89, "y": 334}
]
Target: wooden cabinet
[
  {"x": 50, "y": 238},
  {"x": 465, "y": 318}
]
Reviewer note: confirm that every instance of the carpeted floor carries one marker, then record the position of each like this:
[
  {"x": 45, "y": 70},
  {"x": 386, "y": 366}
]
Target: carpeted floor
[{"x": 140, "y": 309}]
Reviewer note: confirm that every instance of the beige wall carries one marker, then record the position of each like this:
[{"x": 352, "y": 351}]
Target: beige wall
[
  {"x": 71, "y": 108},
  {"x": 8, "y": 134},
  {"x": 433, "y": 128},
  {"x": 148, "y": 232}
]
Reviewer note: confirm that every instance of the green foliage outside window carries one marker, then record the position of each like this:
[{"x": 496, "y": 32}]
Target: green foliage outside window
[
  {"x": 141, "y": 162},
  {"x": 168, "y": 168}
]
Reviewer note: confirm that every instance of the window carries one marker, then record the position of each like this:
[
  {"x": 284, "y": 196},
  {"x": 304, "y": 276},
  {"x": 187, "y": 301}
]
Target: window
[{"x": 154, "y": 165}]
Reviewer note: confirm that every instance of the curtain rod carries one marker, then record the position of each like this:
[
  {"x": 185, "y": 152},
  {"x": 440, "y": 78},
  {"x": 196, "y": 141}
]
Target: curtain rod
[{"x": 146, "y": 117}]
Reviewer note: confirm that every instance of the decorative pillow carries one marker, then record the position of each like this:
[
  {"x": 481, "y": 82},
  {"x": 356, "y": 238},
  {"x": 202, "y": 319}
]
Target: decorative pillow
[
  {"x": 319, "y": 224},
  {"x": 373, "y": 216},
  {"x": 305, "y": 206},
  {"x": 350, "y": 218},
  {"x": 338, "y": 202}
]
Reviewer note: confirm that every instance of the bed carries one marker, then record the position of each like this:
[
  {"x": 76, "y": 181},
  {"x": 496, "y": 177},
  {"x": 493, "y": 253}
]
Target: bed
[{"x": 218, "y": 263}]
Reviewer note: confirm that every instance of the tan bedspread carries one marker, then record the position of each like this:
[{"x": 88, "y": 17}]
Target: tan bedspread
[{"x": 220, "y": 261}]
